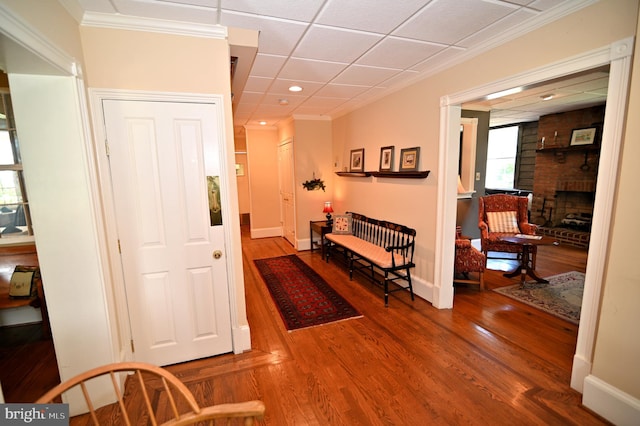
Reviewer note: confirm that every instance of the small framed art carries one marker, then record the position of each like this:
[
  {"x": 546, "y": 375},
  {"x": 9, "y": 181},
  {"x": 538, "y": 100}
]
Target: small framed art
[
  {"x": 357, "y": 160},
  {"x": 586, "y": 136},
  {"x": 409, "y": 159},
  {"x": 386, "y": 158}
]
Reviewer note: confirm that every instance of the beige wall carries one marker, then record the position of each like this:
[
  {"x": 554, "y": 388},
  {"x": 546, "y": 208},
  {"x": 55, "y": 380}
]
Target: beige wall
[
  {"x": 243, "y": 184},
  {"x": 312, "y": 145},
  {"x": 52, "y": 21},
  {"x": 136, "y": 60},
  {"x": 262, "y": 156},
  {"x": 411, "y": 118},
  {"x": 149, "y": 61},
  {"x": 618, "y": 341}
]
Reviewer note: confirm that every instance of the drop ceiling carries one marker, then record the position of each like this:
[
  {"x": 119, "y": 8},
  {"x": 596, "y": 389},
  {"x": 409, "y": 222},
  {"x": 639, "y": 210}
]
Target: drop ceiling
[{"x": 346, "y": 54}]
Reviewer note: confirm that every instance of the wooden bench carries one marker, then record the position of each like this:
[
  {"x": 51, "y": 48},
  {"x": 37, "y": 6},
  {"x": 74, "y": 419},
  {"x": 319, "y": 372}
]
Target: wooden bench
[{"x": 376, "y": 246}]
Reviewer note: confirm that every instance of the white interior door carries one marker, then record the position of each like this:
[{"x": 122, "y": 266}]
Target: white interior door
[
  {"x": 161, "y": 155},
  {"x": 287, "y": 190}
]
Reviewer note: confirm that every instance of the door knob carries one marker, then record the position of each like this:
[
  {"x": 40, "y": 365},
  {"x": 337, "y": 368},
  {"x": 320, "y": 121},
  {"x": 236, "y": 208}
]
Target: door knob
[{"x": 217, "y": 254}]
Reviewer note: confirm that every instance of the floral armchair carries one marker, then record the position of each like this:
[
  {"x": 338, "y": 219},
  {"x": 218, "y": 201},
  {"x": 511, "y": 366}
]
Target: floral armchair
[
  {"x": 500, "y": 215},
  {"x": 468, "y": 260}
]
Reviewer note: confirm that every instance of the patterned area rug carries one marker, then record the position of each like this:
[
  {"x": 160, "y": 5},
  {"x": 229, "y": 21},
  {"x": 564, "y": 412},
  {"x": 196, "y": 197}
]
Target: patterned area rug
[
  {"x": 562, "y": 297},
  {"x": 303, "y": 297}
]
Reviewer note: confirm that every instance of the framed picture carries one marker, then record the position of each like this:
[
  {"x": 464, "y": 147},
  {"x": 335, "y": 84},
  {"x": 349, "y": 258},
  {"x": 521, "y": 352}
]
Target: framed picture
[
  {"x": 586, "y": 136},
  {"x": 409, "y": 158},
  {"x": 357, "y": 160},
  {"x": 386, "y": 158}
]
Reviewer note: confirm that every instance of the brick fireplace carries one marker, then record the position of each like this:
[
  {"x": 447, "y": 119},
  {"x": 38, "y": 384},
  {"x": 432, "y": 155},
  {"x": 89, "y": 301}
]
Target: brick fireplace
[{"x": 565, "y": 176}]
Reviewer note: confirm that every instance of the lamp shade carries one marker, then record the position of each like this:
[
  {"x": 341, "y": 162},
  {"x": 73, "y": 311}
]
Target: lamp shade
[{"x": 327, "y": 207}]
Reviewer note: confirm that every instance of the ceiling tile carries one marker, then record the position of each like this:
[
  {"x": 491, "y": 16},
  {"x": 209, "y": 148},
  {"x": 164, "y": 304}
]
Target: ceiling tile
[
  {"x": 444, "y": 21},
  {"x": 340, "y": 91},
  {"x": 258, "y": 84},
  {"x": 394, "y": 52},
  {"x": 545, "y": 4},
  {"x": 267, "y": 65},
  {"x": 364, "y": 75},
  {"x": 334, "y": 44},
  {"x": 310, "y": 70},
  {"x": 378, "y": 16},
  {"x": 281, "y": 86},
  {"x": 498, "y": 28},
  {"x": 299, "y": 10},
  {"x": 277, "y": 36},
  {"x": 439, "y": 59},
  {"x": 199, "y": 13}
]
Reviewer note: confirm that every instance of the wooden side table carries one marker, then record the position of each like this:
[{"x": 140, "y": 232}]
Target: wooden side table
[
  {"x": 321, "y": 228},
  {"x": 524, "y": 269}
]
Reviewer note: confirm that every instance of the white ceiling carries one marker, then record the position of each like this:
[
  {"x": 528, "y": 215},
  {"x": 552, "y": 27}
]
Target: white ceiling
[{"x": 346, "y": 53}]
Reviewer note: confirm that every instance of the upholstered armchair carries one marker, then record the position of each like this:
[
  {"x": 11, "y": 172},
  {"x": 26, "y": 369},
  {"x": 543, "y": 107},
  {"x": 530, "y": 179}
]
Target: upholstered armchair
[
  {"x": 468, "y": 260},
  {"x": 501, "y": 215}
]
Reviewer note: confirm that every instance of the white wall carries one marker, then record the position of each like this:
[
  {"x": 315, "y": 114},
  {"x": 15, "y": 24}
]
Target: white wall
[{"x": 57, "y": 179}]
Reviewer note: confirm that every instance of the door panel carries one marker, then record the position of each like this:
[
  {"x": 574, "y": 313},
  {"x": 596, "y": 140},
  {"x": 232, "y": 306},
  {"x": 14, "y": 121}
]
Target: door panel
[
  {"x": 287, "y": 190},
  {"x": 177, "y": 293}
]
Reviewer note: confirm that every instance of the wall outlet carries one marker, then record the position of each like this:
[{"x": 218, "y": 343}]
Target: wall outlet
[{"x": 477, "y": 175}]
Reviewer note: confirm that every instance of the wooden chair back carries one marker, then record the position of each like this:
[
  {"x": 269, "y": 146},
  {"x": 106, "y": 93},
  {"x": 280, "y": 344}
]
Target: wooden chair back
[{"x": 184, "y": 410}]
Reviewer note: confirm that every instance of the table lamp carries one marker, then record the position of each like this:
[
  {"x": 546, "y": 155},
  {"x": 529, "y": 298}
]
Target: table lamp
[{"x": 328, "y": 210}]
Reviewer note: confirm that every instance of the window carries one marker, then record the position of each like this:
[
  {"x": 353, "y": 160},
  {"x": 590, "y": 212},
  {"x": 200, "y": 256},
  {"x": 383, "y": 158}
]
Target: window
[
  {"x": 501, "y": 157},
  {"x": 14, "y": 207}
]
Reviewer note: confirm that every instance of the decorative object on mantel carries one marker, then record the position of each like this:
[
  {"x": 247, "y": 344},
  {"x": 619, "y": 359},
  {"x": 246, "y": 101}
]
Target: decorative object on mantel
[
  {"x": 328, "y": 210},
  {"x": 313, "y": 184},
  {"x": 409, "y": 159},
  {"x": 386, "y": 158},
  {"x": 586, "y": 136},
  {"x": 357, "y": 160}
]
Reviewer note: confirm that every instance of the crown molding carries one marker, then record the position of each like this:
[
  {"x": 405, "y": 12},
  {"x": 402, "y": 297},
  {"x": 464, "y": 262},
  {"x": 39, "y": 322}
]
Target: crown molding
[
  {"x": 135, "y": 23},
  {"x": 22, "y": 33}
]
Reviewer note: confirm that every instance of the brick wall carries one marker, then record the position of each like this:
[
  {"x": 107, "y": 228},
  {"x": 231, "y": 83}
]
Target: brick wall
[{"x": 565, "y": 176}]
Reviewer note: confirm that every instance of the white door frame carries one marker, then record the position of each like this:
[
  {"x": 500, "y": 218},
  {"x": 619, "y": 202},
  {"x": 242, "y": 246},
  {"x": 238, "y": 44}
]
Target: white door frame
[
  {"x": 292, "y": 173},
  {"x": 618, "y": 55},
  {"x": 240, "y": 332}
]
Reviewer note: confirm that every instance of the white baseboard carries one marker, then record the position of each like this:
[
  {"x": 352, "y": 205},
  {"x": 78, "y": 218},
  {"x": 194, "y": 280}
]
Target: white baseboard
[
  {"x": 241, "y": 339},
  {"x": 266, "y": 232},
  {"x": 616, "y": 406},
  {"x": 579, "y": 372}
]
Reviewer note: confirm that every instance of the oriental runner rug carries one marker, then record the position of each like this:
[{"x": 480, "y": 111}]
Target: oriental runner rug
[
  {"x": 562, "y": 297},
  {"x": 303, "y": 298}
]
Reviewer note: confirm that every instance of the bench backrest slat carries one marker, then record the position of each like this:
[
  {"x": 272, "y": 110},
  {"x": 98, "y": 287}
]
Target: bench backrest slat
[{"x": 384, "y": 234}]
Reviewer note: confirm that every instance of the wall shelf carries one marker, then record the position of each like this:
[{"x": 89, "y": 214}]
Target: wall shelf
[
  {"x": 354, "y": 174},
  {"x": 404, "y": 175},
  {"x": 562, "y": 149}
]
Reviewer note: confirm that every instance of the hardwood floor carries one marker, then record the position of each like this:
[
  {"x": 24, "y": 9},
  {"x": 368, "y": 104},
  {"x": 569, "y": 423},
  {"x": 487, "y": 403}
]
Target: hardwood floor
[{"x": 489, "y": 360}]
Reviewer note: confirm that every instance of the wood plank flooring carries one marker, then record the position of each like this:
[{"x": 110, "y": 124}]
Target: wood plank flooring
[{"x": 489, "y": 360}]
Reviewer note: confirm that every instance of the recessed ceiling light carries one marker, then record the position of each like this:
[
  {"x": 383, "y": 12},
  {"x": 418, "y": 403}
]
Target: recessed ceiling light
[
  {"x": 283, "y": 101},
  {"x": 295, "y": 89},
  {"x": 547, "y": 97},
  {"x": 263, "y": 123}
]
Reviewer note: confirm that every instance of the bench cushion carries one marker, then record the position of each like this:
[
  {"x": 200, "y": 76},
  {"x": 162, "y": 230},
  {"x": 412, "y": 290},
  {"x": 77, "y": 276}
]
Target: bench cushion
[{"x": 373, "y": 253}]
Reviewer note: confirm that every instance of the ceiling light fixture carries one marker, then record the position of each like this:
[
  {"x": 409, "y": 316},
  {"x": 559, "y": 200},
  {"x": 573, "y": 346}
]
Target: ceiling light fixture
[
  {"x": 283, "y": 101},
  {"x": 547, "y": 97},
  {"x": 504, "y": 93},
  {"x": 263, "y": 123},
  {"x": 295, "y": 89}
]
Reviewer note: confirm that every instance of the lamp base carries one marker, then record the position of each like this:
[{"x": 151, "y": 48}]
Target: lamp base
[{"x": 329, "y": 219}]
